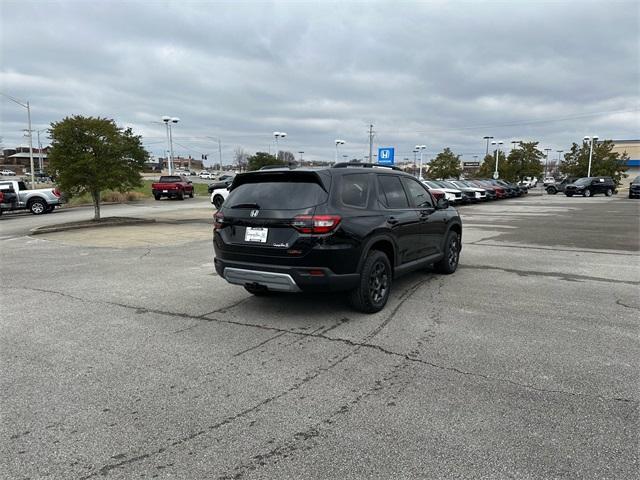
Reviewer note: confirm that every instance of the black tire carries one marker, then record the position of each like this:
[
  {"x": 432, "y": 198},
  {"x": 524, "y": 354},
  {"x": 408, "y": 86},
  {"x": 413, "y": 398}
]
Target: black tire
[
  {"x": 157, "y": 197},
  {"x": 609, "y": 192},
  {"x": 191, "y": 194},
  {"x": 569, "y": 194},
  {"x": 218, "y": 201},
  {"x": 449, "y": 262},
  {"x": 37, "y": 206},
  {"x": 257, "y": 291},
  {"x": 50, "y": 208},
  {"x": 181, "y": 195},
  {"x": 552, "y": 191},
  {"x": 372, "y": 293},
  {"x": 586, "y": 193}
]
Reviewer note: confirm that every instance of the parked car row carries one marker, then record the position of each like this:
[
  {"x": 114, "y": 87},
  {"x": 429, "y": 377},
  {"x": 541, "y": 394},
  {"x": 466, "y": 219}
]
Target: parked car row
[{"x": 475, "y": 190}]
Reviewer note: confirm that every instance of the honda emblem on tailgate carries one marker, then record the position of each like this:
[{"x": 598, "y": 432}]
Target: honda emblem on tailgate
[{"x": 254, "y": 213}]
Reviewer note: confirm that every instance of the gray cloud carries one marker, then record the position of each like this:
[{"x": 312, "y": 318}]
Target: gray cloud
[{"x": 421, "y": 72}]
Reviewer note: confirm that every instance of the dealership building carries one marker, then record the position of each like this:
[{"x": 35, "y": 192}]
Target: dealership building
[{"x": 632, "y": 149}]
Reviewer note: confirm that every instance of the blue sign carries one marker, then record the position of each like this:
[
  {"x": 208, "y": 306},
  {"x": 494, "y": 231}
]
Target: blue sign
[{"x": 386, "y": 155}]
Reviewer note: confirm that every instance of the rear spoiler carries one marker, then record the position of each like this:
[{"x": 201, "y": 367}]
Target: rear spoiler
[{"x": 302, "y": 176}]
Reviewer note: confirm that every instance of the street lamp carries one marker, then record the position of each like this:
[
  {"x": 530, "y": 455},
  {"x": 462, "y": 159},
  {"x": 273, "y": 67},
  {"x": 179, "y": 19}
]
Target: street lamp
[
  {"x": 560, "y": 152},
  {"x": 546, "y": 162},
  {"x": 28, "y": 107},
  {"x": 496, "y": 175},
  {"x": 168, "y": 121},
  {"x": 338, "y": 142},
  {"x": 278, "y": 135},
  {"x": 590, "y": 140},
  {"x": 421, "y": 149},
  {"x": 487, "y": 139}
]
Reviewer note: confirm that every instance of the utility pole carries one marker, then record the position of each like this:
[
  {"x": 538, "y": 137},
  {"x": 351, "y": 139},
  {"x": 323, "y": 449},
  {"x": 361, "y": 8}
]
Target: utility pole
[
  {"x": 220, "y": 153},
  {"x": 371, "y": 143}
]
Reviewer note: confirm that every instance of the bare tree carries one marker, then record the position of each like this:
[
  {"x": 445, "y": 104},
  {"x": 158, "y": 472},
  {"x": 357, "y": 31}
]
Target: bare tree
[
  {"x": 287, "y": 158},
  {"x": 240, "y": 158}
]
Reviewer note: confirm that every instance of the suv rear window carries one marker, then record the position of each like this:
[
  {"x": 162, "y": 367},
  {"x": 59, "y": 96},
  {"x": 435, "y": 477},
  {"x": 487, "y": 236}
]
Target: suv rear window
[
  {"x": 277, "y": 195},
  {"x": 354, "y": 189},
  {"x": 391, "y": 192},
  {"x": 170, "y": 179}
]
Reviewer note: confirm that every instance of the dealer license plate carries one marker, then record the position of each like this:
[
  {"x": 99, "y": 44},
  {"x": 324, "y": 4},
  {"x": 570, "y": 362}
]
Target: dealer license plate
[
  {"x": 165, "y": 191},
  {"x": 253, "y": 234}
]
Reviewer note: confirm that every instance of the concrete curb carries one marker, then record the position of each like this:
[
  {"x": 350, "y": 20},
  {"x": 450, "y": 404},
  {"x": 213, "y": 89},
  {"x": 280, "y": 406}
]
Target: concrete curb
[{"x": 106, "y": 222}]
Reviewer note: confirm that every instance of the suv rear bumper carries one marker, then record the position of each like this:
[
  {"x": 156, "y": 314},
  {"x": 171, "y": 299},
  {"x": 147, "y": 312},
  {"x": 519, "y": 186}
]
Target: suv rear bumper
[{"x": 284, "y": 278}]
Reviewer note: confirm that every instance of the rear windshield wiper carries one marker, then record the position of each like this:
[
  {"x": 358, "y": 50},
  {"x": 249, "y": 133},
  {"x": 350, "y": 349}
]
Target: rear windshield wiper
[{"x": 246, "y": 205}]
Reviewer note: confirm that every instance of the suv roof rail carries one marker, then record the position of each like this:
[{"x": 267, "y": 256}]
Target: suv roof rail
[
  {"x": 364, "y": 165},
  {"x": 273, "y": 167}
]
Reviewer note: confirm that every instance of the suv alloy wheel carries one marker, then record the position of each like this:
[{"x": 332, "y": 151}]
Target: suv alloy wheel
[
  {"x": 449, "y": 262},
  {"x": 372, "y": 293},
  {"x": 587, "y": 192}
]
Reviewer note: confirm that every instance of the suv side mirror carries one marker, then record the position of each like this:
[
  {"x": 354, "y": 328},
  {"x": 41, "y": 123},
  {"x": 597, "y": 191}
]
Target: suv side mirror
[{"x": 442, "y": 204}]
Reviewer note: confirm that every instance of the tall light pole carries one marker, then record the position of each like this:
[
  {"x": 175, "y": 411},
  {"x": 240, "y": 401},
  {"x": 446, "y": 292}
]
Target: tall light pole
[
  {"x": 487, "y": 139},
  {"x": 560, "y": 152},
  {"x": 546, "y": 163},
  {"x": 338, "y": 143},
  {"x": 590, "y": 139},
  {"x": 278, "y": 135},
  {"x": 421, "y": 149},
  {"x": 28, "y": 107},
  {"x": 496, "y": 175},
  {"x": 301, "y": 152},
  {"x": 168, "y": 121}
]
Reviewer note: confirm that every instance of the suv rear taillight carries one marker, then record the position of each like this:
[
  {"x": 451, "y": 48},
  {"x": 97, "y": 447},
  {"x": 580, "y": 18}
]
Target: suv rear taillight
[
  {"x": 315, "y": 223},
  {"x": 218, "y": 221},
  {"x": 56, "y": 192}
]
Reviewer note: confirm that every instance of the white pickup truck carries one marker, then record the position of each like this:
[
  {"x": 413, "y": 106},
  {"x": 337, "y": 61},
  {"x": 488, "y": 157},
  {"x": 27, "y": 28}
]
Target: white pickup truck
[{"x": 43, "y": 200}]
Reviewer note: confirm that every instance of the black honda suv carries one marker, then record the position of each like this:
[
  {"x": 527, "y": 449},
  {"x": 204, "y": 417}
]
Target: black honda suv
[
  {"x": 589, "y": 186},
  {"x": 350, "y": 227}
]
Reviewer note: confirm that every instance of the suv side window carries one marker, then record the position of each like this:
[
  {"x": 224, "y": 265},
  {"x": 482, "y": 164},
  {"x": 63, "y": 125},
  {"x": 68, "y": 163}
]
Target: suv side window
[
  {"x": 354, "y": 190},
  {"x": 390, "y": 192},
  {"x": 418, "y": 195}
]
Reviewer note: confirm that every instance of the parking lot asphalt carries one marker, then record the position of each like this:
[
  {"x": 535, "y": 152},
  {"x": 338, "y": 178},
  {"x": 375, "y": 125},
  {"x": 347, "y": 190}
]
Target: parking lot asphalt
[{"x": 125, "y": 356}]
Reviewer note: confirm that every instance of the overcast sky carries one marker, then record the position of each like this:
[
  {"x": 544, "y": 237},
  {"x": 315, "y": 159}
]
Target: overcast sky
[{"x": 435, "y": 73}]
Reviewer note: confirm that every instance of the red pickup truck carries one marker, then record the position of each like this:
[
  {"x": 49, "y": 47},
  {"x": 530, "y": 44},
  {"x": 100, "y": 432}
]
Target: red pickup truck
[{"x": 172, "y": 186}]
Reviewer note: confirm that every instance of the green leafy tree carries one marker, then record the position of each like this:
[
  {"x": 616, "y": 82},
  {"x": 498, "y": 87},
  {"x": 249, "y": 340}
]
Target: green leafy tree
[
  {"x": 488, "y": 166},
  {"x": 604, "y": 163},
  {"x": 261, "y": 159},
  {"x": 90, "y": 155},
  {"x": 445, "y": 165},
  {"x": 524, "y": 161}
]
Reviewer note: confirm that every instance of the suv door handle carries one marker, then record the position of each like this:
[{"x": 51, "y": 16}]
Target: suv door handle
[{"x": 392, "y": 220}]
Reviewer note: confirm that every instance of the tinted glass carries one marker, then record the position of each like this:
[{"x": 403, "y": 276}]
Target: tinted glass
[
  {"x": 277, "y": 195},
  {"x": 418, "y": 195},
  {"x": 354, "y": 189},
  {"x": 170, "y": 179},
  {"x": 583, "y": 181},
  {"x": 391, "y": 192},
  {"x": 432, "y": 184}
]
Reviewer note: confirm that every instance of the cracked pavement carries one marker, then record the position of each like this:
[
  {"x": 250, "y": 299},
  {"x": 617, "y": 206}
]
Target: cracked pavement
[{"x": 125, "y": 356}]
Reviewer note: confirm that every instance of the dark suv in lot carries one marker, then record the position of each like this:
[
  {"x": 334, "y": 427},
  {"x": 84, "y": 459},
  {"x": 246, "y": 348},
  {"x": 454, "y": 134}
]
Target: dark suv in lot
[
  {"x": 634, "y": 188},
  {"x": 588, "y": 186},
  {"x": 351, "y": 227}
]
